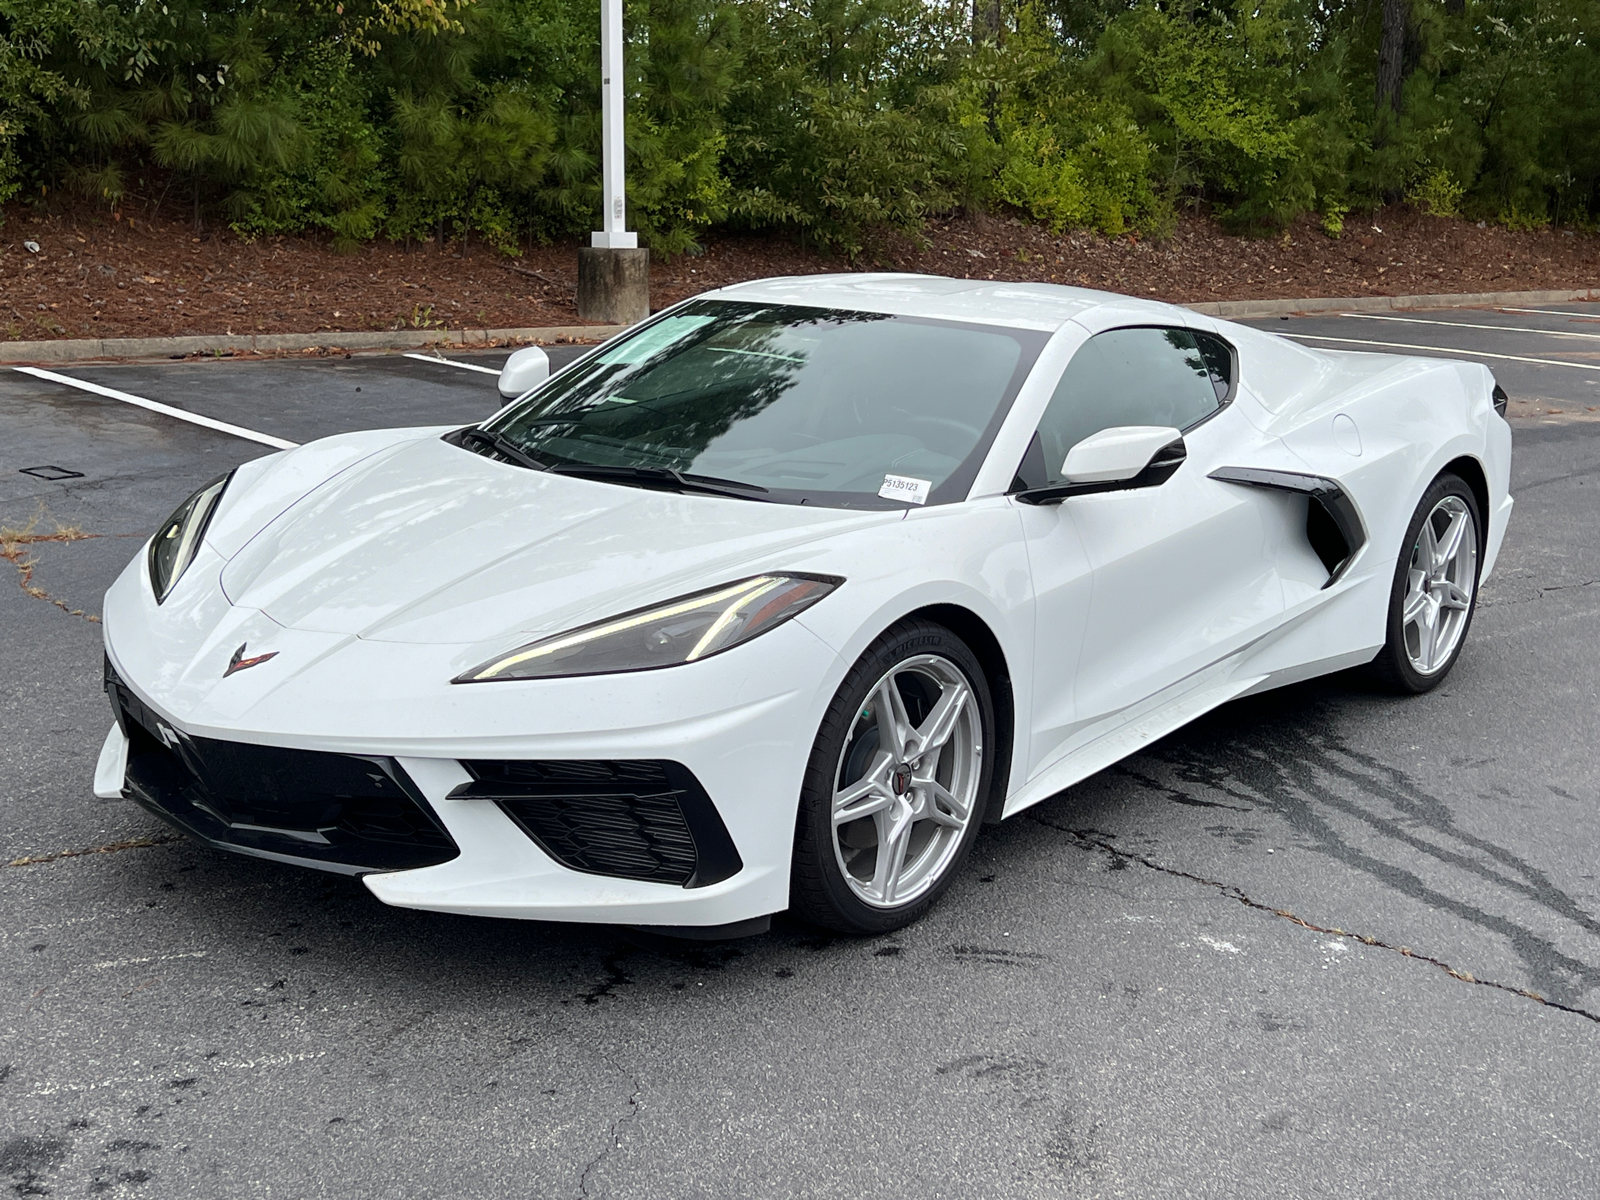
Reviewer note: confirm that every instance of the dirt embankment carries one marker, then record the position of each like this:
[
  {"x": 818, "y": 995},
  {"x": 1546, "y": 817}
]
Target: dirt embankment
[{"x": 95, "y": 276}]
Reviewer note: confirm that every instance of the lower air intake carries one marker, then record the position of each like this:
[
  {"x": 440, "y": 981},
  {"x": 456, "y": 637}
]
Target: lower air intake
[
  {"x": 631, "y": 819},
  {"x": 336, "y": 812}
]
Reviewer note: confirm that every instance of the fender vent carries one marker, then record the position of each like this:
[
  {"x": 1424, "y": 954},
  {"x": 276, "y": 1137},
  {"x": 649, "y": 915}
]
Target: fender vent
[
  {"x": 1333, "y": 523},
  {"x": 1322, "y": 531}
]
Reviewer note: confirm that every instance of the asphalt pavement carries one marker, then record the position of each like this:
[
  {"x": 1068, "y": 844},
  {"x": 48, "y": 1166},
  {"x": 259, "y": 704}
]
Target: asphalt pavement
[{"x": 1322, "y": 942}]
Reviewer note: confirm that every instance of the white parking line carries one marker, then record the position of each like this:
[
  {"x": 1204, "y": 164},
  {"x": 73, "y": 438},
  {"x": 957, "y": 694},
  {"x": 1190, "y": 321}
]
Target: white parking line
[
  {"x": 266, "y": 439},
  {"x": 1547, "y": 362},
  {"x": 450, "y": 362},
  {"x": 1566, "y": 333},
  {"x": 1548, "y": 312}
]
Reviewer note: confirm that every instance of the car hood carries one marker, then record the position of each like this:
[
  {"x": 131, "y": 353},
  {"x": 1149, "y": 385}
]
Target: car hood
[{"x": 427, "y": 542}]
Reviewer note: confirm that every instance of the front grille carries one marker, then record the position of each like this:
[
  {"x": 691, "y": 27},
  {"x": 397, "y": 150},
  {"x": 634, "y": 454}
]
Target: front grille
[
  {"x": 339, "y": 812},
  {"x": 631, "y": 818}
]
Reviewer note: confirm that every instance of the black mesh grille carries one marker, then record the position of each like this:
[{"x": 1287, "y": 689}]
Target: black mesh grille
[
  {"x": 342, "y": 812},
  {"x": 631, "y": 818}
]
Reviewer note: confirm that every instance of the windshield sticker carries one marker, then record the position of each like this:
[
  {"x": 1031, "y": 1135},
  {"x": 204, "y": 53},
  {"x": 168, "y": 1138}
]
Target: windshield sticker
[
  {"x": 653, "y": 340},
  {"x": 904, "y": 487}
]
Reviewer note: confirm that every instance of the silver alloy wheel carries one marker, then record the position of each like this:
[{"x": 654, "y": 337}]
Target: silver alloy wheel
[
  {"x": 1439, "y": 585},
  {"x": 906, "y": 785}
]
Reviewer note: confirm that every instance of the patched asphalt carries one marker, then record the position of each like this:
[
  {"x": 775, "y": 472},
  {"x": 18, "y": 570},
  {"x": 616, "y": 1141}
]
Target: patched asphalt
[{"x": 1299, "y": 948}]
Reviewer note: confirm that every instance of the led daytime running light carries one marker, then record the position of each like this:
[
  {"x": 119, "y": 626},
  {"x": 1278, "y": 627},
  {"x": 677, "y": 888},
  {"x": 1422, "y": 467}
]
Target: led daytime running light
[
  {"x": 681, "y": 631},
  {"x": 650, "y": 616}
]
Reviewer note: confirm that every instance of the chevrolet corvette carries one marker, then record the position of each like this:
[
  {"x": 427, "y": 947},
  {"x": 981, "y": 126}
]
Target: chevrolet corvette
[{"x": 772, "y": 601}]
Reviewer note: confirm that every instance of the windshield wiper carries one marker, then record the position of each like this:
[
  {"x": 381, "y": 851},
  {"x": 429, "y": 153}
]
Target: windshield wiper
[
  {"x": 500, "y": 444},
  {"x": 666, "y": 477}
]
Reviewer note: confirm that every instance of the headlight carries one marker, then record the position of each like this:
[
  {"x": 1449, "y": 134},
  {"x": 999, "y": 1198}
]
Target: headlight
[
  {"x": 664, "y": 635},
  {"x": 175, "y": 543}
]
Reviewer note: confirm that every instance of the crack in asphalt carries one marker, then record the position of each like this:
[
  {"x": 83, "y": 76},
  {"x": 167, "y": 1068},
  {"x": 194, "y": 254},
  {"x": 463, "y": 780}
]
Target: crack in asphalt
[
  {"x": 138, "y": 843},
  {"x": 1094, "y": 839},
  {"x": 1543, "y": 591},
  {"x": 11, "y": 551},
  {"x": 615, "y": 977},
  {"x": 1563, "y": 587},
  {"x": 12, "y": 548},
  {"x": 1278, "y": 772},
  {"x": 614, "y": 1134}
]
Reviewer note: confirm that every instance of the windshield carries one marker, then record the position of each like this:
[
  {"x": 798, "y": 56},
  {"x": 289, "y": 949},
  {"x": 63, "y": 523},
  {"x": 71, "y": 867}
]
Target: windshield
[{"x": 815, "y": 406}]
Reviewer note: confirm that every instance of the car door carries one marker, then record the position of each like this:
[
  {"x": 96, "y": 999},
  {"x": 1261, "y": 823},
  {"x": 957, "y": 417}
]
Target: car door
[{"x": 1180, "y": 571}]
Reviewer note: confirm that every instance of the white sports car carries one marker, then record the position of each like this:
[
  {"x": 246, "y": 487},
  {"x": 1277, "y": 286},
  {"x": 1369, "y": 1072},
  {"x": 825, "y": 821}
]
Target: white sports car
[{"x": 771, "y": 601}]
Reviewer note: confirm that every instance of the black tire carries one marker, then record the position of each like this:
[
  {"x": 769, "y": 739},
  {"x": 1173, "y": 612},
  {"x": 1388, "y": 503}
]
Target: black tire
[
  {"x": 1393, "y": 667},
  {"x": 818, "y": 889}
]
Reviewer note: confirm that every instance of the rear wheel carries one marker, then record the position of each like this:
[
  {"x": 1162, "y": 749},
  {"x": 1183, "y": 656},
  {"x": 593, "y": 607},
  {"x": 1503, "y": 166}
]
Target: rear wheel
[
  {"x": 1435, "y": 589},
  {"x": 896, "y": 785}
]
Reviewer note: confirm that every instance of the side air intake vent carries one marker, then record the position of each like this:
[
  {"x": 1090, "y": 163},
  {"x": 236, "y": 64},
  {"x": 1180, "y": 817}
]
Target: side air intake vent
[
  {"x": 628, "y": 818},
  {"x": 1333, "y": 524}
]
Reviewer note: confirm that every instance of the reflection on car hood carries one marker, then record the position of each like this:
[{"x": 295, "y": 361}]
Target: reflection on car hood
[{"x": 432, "y": 543}]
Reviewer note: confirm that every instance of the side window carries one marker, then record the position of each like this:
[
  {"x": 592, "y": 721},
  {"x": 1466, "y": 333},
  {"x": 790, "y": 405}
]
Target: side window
[
  {"x": 1219, "y": 358},
  {"x": 1142, "y": 376}
]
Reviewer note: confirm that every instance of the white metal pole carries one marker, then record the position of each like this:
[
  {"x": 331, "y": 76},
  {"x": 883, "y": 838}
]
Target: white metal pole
[{"x": 613, "y": 165}]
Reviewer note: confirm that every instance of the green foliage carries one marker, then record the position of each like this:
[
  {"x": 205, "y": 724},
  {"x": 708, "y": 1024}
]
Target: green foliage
[
  {"x": 1438, "y": 194},
  {"x": 835, "y": 120},
  {"x": 1333, "y": 219},
  {"x": 845, "y": 119}
]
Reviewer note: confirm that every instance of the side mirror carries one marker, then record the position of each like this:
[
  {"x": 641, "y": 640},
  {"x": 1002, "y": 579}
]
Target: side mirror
[
  {"x": 1114, "y": 460},
  {"x": 1116, "y": 455},
  {"x": 526, "y": 368}
]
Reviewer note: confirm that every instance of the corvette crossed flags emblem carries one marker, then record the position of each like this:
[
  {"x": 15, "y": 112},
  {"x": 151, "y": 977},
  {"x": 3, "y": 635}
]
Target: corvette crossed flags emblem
[{"x": 239, "y": 662}]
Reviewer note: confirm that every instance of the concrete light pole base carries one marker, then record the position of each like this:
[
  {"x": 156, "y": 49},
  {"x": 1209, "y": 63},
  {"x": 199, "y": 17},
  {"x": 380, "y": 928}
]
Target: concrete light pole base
[{"x": 613, "y": 285}]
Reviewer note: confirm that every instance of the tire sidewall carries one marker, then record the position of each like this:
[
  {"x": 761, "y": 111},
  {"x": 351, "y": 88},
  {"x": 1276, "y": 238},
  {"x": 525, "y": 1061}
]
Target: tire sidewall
[
  {"x": 1399, "y": 663},
  {"x": 814, "y": 833}
]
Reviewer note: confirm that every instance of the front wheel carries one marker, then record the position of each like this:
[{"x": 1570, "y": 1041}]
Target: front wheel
[
  {"x": 1435, "y": 589},
  {"x": 896, "y": 785}
]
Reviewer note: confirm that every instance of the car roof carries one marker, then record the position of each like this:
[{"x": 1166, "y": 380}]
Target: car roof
[{"x": 1045, "y": 306}]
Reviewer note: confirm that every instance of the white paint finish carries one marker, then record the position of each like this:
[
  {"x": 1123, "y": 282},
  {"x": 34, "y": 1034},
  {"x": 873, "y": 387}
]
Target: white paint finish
[
  {"x": 380, "y": 565},
  {"x": 439, "y": 360},
  {"x": 1182, "y": 572},
  {"x": 431, "y": 543},
  {"x": 265, "y": 487},
  {"x": 112, "y": 765},
  {"x": 1114, "y": 454},
  {"x": 155, "y": 406},
  {"x": 1042, "y": 306},
  {"x": 1063, "y": 586},
  {"x": 525, "y": 370},
  {"x": 1346, "y": 436}
]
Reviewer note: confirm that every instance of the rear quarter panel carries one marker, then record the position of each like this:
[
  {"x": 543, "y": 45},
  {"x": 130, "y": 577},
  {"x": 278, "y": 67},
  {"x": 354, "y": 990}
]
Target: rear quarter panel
[{"x": 1384, "y": 426}]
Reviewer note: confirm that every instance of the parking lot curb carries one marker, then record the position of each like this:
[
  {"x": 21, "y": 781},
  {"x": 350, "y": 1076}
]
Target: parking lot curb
[
  {"x": 70, "y": 350},
  {"x": 1241, "y": 309}
]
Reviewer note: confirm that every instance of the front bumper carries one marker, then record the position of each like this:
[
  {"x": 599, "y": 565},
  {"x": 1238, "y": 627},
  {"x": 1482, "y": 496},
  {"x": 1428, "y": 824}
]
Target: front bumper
[{"x": 717, "y": 747}]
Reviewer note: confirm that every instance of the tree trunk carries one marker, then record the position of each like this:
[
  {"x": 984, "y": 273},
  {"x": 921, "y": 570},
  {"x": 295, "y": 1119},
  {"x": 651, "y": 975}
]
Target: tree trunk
[
  {"x": 1391, "y": 54},
  {"x": 985, "y": 20}
]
